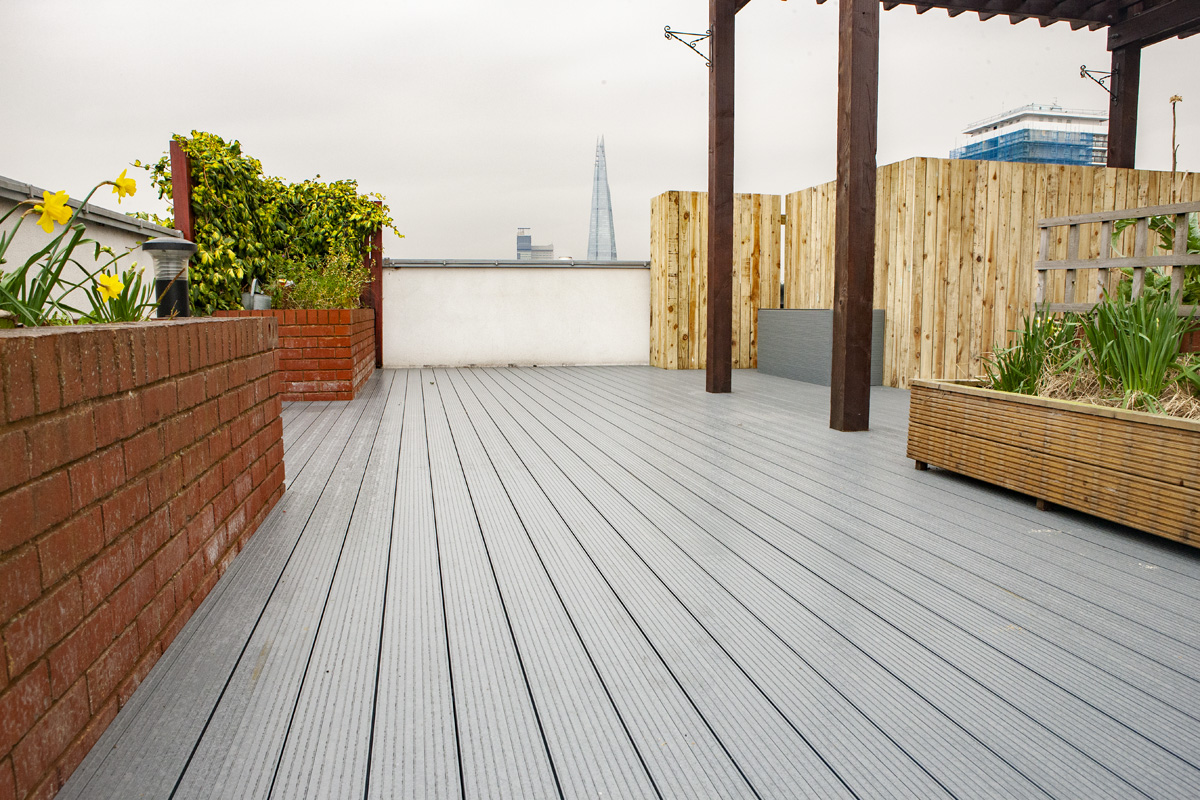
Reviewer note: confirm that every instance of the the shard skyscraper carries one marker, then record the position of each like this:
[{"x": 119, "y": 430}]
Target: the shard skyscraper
[{"x": 602, "y": 240}]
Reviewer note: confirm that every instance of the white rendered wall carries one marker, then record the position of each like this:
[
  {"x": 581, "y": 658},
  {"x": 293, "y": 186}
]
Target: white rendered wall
[{"x": 496, "y": 316}]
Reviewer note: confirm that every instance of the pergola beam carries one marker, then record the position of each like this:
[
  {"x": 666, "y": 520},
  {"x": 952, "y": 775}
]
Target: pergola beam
[
  {"x": 854, "y": 235},
  {"x": 1164, "y": 21},
  {"x": 1146, "y": 22}
]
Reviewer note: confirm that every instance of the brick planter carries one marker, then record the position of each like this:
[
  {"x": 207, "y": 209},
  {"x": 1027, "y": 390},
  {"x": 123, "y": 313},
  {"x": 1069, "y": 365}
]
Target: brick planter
[
  {"x": 322, "y": 355},
  {"x": 135, "y": 461}
]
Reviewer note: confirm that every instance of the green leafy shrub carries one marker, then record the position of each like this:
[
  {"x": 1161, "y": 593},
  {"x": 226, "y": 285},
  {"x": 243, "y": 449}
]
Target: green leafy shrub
[
  {"x": 249, "y": 226},
  {"x": 333, "y": 281}
]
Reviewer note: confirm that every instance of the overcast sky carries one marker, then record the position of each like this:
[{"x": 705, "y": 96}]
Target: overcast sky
[{"x": 475, "y": 117}]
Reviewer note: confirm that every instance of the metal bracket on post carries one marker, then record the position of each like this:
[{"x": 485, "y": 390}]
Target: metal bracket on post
[
  {"x": 1099, "y": 77},
  {"x": 695, "y": 40}
]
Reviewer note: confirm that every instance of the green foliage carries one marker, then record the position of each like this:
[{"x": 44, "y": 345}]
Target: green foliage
[
  {"x": 333, "y": 281},
  {"x": 1044, "y": 340},
  {"x": 1158, "y": 281},
  {"x": 132, "y": 303},
  {"x": 34, "y": 292},
  {"x": 1134, "y": 346},
  {"x": 249, "y": 226}
]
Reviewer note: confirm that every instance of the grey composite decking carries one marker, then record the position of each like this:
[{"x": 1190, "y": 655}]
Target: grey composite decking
[{"x": 603, "y": 582}]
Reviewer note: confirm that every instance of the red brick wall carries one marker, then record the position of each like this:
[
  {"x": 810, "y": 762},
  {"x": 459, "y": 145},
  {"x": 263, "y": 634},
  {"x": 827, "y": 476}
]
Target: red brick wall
[
  {"x": 322, "y": 355},
  {"x": 135, "y": 461}
]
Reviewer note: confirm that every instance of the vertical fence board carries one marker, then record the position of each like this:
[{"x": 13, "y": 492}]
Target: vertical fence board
[
  {"x": 956, "y": 242},
  {"x": 955, "y": 246},
  {"x": 679, "y": 276}
]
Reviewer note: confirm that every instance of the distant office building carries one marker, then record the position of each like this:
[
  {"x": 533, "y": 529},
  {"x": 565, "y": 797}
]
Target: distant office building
[
  {"x": 528, "y": 251},
  {"x": 1039, "y": 134},
  {"x": 602, "y": 238}
]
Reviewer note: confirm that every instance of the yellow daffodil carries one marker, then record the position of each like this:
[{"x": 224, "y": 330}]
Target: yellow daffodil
[
  {"x": 53, "y": 209},
  {"x": 124, "y": 186},
  {"x": 110, "y": 286}
]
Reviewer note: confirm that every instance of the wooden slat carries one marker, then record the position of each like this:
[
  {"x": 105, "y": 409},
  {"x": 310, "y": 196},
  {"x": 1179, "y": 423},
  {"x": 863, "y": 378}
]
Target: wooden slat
[
  {"x": 1181, "y": 260},
  {"x": 679, "y": 276},
  {"x": 501, "y": 740},
  {"x": 1088, "y": 466},
  {"x": 273, "y": 668},
  {"x": 984, "y": 282},
  {"x": 146, "y": 749},
  {"x": 1122, "y": 212},
  {"x": 415, "y": 750}
]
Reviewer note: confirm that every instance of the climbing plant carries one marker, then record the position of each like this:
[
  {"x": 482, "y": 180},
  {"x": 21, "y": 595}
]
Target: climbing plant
[{"x": 248, "y": 225}]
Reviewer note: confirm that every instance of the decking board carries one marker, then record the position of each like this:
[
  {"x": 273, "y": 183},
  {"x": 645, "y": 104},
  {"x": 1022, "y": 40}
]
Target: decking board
[
  {"x": 882, "y": 491},
  {"x": 1074, "y": 720},
  {"x": 1002, "y": 589},
  {"x": 241, "y": 750},
  {"x": 502, "y": 749},
  {"x": 581, "y": 582}
]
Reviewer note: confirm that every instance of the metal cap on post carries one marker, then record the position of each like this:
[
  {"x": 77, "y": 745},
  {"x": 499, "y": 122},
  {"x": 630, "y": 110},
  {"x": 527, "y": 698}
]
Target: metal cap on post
[{"x": 171, "y": 275}]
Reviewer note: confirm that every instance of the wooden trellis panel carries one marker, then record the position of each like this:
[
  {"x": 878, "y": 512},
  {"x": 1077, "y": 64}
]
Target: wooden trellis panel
[
  {"x": 679, "y": 268},
  {"x": 955, "y": 246}
]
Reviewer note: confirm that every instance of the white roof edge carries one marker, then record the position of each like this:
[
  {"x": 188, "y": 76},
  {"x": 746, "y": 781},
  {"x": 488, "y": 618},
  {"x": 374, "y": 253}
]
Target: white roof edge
[
  {"x": 1044, "y": 109},
  {"x": 17, "y": 192}
]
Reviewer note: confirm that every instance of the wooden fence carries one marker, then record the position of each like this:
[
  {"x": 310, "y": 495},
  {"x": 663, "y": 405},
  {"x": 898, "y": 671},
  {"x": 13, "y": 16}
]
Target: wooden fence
[
  {"x": 679, "y": 269},
  {"x": 955, "y": 246}
]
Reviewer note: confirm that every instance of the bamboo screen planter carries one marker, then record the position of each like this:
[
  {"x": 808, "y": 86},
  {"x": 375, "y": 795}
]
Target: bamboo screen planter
[{"x": 1137, "y": 469}]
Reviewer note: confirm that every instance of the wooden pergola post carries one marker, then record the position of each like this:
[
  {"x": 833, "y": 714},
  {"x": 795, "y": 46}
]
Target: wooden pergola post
[
  {"x": 181, "y": 191},
  {"x": 372, "y": 293},
  {"x": 719, "y": 365},
  {"x": 1123, "y": 105},
  {"x": 854, "y": 236}
]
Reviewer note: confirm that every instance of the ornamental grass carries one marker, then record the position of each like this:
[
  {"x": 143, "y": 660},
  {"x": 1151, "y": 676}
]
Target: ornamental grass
[{"x": 1122, "y": 354}]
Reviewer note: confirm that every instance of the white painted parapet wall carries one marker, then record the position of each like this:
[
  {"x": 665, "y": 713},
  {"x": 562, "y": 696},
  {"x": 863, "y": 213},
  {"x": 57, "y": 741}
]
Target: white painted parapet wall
[{"x": 497, "y": 313}]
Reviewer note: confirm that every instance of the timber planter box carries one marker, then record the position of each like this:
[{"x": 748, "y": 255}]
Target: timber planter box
[
  {"x": 1141, "y": 470},
  {"x": 322, "y": 355}
]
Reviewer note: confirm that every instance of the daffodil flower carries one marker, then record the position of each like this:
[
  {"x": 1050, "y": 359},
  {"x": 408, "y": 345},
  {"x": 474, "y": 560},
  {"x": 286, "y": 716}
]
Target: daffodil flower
[
  {"x": 124, "y": 186},
  {"x": 110, "y": 286},
  {"x": 53, "y": 208}
]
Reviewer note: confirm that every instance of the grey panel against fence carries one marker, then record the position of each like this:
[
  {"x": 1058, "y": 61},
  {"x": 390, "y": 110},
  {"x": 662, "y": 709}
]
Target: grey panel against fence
[{"x": 797, "y": 343}]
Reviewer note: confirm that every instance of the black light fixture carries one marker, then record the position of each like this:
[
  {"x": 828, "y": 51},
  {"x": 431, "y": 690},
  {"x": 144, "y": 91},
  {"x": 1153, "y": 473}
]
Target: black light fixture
[{"x": 171, "y": 275}]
